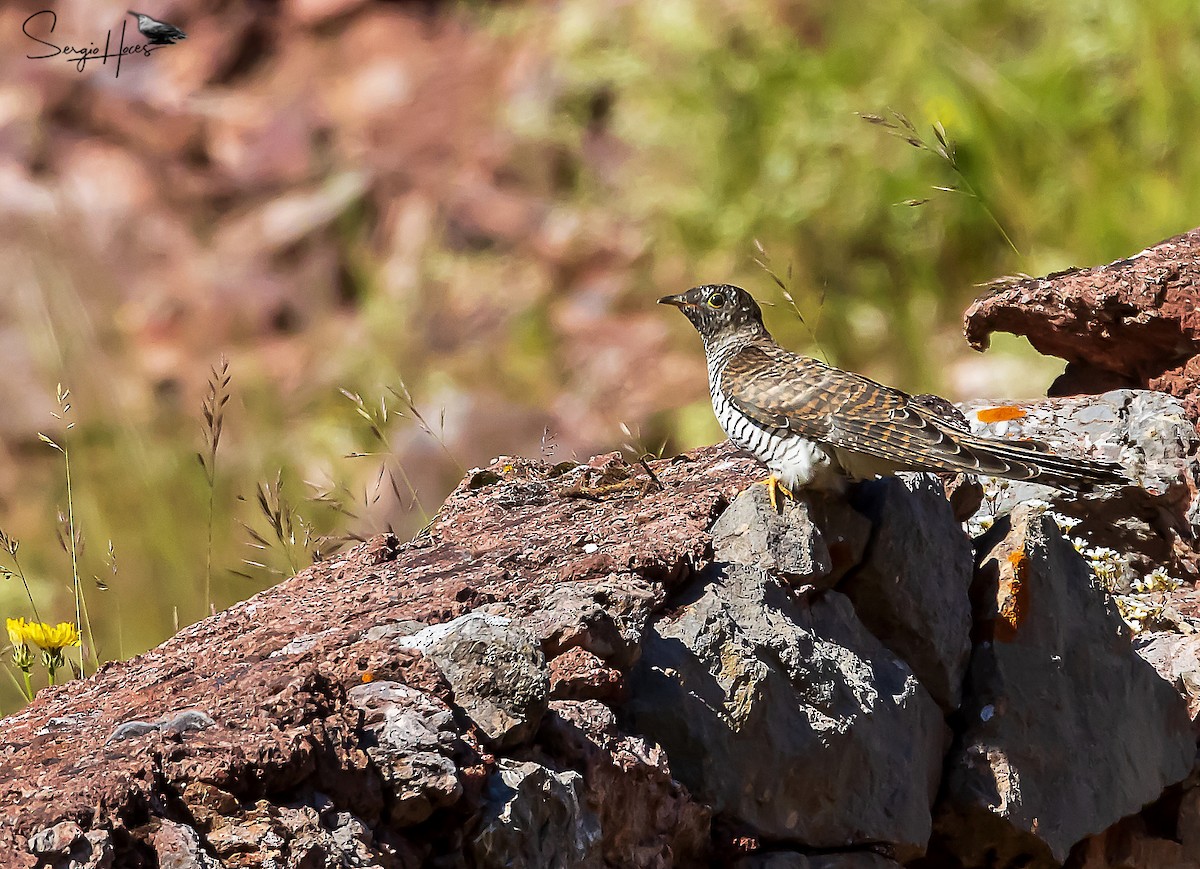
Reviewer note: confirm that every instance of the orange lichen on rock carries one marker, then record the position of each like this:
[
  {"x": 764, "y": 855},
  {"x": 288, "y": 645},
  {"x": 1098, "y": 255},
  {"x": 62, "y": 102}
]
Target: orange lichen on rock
[
  {"x": 999, "y": 414},
  {"x": 1012, "y": 596}
]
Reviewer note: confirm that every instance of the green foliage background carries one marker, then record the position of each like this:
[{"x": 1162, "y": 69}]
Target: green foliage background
[{"x": 1075, "y": 120}]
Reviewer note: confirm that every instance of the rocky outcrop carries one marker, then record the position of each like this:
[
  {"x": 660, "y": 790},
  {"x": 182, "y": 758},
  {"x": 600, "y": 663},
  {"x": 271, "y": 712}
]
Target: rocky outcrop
[
  {"x": 1131, "y": 323},
  {"x": 614, "y": 665},
  {"x": 768, "y": 704},
  {"x": 1176, "y": 657},
  {"x": 1053, "y": 668},
  {"x": 1150, "y": 435},
  {"x": 911, "y": 590}
]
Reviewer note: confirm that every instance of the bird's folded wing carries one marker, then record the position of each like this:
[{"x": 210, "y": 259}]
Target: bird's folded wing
[{"x": 781, "y": 390}]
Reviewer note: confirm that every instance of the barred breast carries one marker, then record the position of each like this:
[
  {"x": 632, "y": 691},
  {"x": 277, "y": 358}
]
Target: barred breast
[{"x": 796, "y": 461}]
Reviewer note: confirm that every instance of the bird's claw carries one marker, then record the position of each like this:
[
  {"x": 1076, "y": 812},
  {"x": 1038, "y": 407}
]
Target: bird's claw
[{"x": 774, "y": 487}]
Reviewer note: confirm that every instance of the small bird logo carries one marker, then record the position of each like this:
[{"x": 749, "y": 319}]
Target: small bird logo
[
  {"x": 157, "y": 32},
  {"x": 815, "y": 425}
]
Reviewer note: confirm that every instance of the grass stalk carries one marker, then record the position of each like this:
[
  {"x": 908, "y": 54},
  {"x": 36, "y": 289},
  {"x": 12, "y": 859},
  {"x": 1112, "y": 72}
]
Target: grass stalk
[
  {"x": 213, "y": 409},
  {"x": 11, "y": 545},
  {"x": 72, "y": 543},
  {"x": 902, "y": 128}
]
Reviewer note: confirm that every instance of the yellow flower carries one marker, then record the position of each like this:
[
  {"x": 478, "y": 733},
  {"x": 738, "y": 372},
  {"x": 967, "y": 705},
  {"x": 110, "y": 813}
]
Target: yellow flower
[
  {"x": 51, "y": 638},
  {"x": 16, "y": 631}
]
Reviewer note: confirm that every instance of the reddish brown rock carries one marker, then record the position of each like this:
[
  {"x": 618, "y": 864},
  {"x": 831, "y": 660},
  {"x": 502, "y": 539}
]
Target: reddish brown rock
[
  {"x": 1134, "y": 322},
  {"x": 349, "y": 715},
  {"x": 632, "y": 785},
  {"x": 577, "y": 674},
  {"x": 1131, "y": 844},
  {"x": 284, "y": 761}
]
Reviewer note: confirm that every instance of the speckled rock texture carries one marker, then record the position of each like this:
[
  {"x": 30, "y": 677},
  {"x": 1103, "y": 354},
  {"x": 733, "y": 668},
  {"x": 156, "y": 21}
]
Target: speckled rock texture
[
  {"x": 629, "y": 665},
  {"x": 329, "y": 723},
  {"x": 1149, "y": 434}
]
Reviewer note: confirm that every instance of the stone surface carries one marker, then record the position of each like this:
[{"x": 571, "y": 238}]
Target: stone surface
[
  {"x": 178, "y": 846},
  {"x": 811, "y": 540},
  {"x": 1177, "y": 660},
  {"x": 67, "y": 846},
  {"x": 794, "y": 860},
  {"x": 1131, "y": 844},
  {"x": 647, "y": 818},
  {"x": 415, "y": 741},
  {"x": 787, "y": 716},
  {"x": 602, "y": 616},
  {"x": 1053, "y": 678},
  {"x": 56, "y": 841},
  {"x": 912, "y": 588},
  {"x": 691, "y": 712},
  {"x": 1150, "y": 434},
  {"x": 497, "y": 670},
  {"x": 964, "y": 493},
  {"x": 304, "y": 834},
  {"x": 1133, "y": 322},
  {"x": 533, "y": 816},
  {"x": 577, "y": 674},
  {"x": 297, "y": 752}
]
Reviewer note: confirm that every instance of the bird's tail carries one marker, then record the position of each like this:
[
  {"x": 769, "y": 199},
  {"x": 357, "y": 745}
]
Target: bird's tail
[{"x": 1034, "y": 461}]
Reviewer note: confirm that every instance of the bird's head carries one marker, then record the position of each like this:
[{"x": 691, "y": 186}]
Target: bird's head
[{"x": 719, "y": 311}]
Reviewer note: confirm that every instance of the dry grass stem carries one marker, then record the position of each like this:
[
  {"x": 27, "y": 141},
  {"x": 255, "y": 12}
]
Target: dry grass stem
[{"x": 941, "y": 147}]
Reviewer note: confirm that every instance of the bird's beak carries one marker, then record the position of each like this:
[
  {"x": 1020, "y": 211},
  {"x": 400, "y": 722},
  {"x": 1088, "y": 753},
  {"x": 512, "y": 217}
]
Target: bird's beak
[{"x": 677, "y": 301}]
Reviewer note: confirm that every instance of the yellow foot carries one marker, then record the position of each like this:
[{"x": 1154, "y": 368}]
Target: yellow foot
[{"x": 774, "y": 486}]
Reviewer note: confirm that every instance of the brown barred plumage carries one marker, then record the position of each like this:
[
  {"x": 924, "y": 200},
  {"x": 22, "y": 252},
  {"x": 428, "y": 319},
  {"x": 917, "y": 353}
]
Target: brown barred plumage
[{"x": 813, "y": 424}]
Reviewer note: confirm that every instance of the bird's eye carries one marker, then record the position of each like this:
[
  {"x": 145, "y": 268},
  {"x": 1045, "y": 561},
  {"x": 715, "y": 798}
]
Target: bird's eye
[{"x": 716, "y": 300}]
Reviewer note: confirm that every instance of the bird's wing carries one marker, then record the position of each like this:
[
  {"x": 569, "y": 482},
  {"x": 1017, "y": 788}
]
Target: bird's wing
[{"x": 785, "y": 391}]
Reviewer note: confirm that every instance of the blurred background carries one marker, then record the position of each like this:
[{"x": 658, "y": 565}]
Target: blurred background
[{"x": 424, "y": 234}]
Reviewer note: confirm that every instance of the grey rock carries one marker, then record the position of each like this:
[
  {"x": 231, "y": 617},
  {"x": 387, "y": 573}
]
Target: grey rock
[
  {"x": 533, "y": 816},
  {"x": 308, "y": 841},
  {"x": 648, "y": 820},
  {"x": 177, "y": 725},
  {"x": 351, "y": 836},
  {"x": 187, "y": 720},
  {"x": 67, "y": 846},
  {"x": 1147, "y": 432},
  {"x": 605, "y": 618},
  {"x": 794, "y": 860},
  {"x": 912, "y": 590},
  {"x": 131, "y": 729},
  {"x": 787, "y": 716},
  {"x": 497, "y": 670},
  {"x": 414, "y": 740},
  {"x": 178, "y": 846},
  {"x": 55, "y": 841},
  {"x": 751, "y": 533},
  {"x": 1177, "y": 660},
  {"x": 1067, "y": 729},
  {"x": 811, "y": 540},
  {"x": 401, "y": 628}
]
